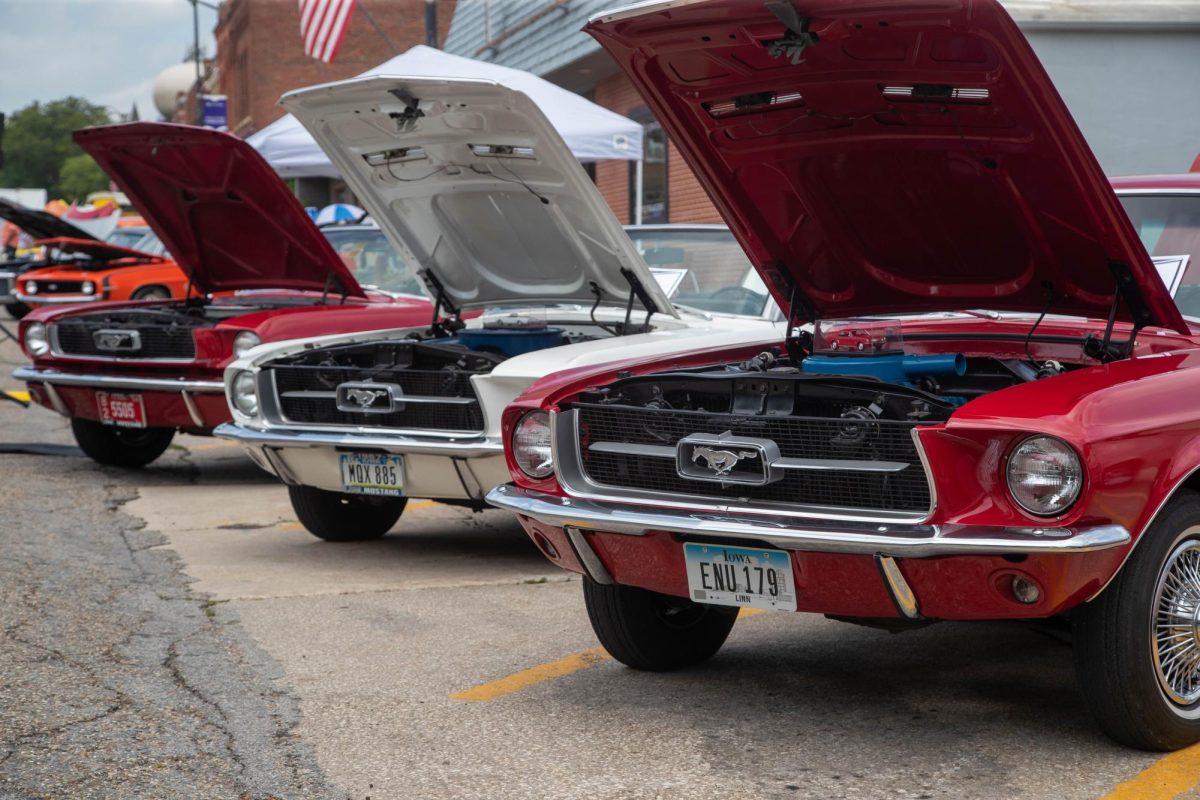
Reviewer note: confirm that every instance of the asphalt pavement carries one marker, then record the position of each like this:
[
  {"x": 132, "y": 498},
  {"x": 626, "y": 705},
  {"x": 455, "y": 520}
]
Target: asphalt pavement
[{"x": 175, "y": 633}]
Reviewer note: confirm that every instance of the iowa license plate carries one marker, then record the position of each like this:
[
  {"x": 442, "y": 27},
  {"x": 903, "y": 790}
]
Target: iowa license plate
[
  {"x": 122, "y": 410},
  {"x": 740, "y": 576},
  {"x": 372, "y": 473}
]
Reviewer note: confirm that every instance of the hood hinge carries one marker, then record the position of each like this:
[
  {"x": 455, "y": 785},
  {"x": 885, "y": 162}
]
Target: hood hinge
[
  {"x": 636, "y": 289},
  {"x": 798, "y": 38}
]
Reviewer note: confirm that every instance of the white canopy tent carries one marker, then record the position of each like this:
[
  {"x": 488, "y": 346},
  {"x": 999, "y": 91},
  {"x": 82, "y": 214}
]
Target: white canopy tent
[{"x": 592, "y": 132}]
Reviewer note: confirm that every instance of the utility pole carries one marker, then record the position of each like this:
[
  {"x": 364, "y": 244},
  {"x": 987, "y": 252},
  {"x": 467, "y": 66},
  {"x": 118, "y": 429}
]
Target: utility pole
[
  {"x": 196, "y": 56},
  {"x": 431, "y": 37}
]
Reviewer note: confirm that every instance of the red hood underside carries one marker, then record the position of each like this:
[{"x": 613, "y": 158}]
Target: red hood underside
[
  {"x": 912, "y": 156},
  {"x": 225, "y": 216}
]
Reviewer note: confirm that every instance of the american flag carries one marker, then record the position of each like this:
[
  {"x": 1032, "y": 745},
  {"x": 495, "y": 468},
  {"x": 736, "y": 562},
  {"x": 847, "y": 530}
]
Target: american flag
[{"x": 323, "y": 25}]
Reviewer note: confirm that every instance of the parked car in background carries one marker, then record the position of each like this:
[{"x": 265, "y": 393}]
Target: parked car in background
[
  {"x": 129, "y": 375},
  {"x": 500, "y": 217},
  {"x": 47, "y": 230},
  {"x": 995, "y": 414}
]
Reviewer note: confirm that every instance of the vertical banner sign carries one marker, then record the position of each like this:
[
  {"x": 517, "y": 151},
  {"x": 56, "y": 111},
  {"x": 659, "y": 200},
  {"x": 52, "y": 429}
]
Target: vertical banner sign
[{"x": 214, "y": 111}]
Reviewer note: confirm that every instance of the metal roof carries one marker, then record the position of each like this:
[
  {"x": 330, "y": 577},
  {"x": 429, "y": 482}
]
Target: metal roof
[{"x": 542, "y": 36}]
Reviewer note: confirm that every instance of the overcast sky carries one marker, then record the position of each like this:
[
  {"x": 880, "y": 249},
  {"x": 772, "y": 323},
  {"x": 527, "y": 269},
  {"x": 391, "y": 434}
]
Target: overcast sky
[{"x": 106, "y": 51}]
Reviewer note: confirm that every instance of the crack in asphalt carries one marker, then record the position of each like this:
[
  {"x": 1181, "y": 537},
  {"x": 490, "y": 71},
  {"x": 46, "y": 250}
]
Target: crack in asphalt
[{"x": 130, "y": 683}]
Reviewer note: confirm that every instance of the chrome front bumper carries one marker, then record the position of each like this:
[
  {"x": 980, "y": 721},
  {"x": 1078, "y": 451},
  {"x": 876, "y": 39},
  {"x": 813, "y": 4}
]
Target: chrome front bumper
[
  {"x": 56, "y": 378},
  {"x": 51, "y": 299},
  {"x": 791, "y": 533},
  {"x": 433, "y": 468}
]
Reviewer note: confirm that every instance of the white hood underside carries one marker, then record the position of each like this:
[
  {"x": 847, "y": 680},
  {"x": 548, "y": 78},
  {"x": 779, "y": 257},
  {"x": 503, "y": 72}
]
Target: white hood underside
[{"x": 470, "y": 181}]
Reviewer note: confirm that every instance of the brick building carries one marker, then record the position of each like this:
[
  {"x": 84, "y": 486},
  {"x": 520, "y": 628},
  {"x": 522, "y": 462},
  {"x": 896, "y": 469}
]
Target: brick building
[{"x": 260, "y": 54}]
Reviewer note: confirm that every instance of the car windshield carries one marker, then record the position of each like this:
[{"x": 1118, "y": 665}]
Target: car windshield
[
  {"x": 703, "y": 269},
  {"x": 1169, "y": 226},
  {"x": 373, "y": 261},
  {"x": 126, "y": 237},
  {"x": 150, "y": 243}
]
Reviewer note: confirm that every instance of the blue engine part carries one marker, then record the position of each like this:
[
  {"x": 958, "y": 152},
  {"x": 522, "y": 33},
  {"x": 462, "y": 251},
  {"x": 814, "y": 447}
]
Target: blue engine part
[
  {"x": 509, "y": 342},
  {"x": 891, "y": 368}
]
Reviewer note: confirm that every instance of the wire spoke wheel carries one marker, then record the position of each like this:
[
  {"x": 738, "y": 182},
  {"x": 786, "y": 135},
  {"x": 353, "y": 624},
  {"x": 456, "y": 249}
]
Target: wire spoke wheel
[{"x": 1175, "y": 626}]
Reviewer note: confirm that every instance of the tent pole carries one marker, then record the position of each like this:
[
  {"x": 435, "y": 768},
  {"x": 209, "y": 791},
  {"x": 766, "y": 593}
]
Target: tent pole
[{"x": 638, "y": 175}]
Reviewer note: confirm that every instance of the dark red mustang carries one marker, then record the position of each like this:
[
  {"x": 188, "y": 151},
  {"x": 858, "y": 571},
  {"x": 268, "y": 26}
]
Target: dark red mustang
[{"x": 988, "y": 406}]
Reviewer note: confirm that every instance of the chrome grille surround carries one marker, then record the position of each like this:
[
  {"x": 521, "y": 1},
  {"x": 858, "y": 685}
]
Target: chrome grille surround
[{"x": 573, "y": 476}]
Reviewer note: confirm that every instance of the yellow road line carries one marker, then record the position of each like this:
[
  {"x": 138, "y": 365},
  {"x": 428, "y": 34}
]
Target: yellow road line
[
  {"x": 417, "y": 505},
  {"x": 22, "y": 396},
  {"x": 1170, "y": 776},
  {"x": 543, "y": 672},
  {"x": 549, "y": 671}
]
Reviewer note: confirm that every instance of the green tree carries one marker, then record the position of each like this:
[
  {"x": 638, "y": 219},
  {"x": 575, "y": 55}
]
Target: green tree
[
  {"x": 37, "y": 142},
  {"x": 78, "y": 177}
]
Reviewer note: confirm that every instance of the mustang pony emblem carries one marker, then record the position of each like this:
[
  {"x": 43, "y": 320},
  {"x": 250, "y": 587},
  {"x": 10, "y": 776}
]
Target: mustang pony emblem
[
  {"x": 721, "y": 462},
  {"x": 365, "y": 397},
  {"x": 111, "y": 341}
]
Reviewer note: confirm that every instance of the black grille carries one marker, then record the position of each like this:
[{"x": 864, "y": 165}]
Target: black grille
[
  {"x": 449, "y": 383},
  {"x": 796, "y": 437},
  {"x": 60, "y": 287},
  {"x": 167, "y": 339},
  {"x": 6, "y": 285}
]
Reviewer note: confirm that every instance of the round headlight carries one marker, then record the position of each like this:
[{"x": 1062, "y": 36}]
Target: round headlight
[
  {"x": 1044, "y": 475},
  {"x": 244, "y": 392},
  {"x": 531, "y": 445},
  {"x": 88, "y": 287},
  {"x": 31, "y": 287},
  {"x": 36, "y": 341},
  {"x": 244, "y": 341}
]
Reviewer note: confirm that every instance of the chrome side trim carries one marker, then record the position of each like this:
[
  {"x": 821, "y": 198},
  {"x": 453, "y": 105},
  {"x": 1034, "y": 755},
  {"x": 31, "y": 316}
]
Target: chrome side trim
[
  {"x": 786, "y": 533},
  {"x": 193, "y": 411},
  {"x": 568, "y": 467},
  {"x": 902, "y": 594},
  {"x": 56, "y": 400},
  {"x": 843, "y": 465},
  {"x": 49, "y": 376},
  {"x": 282, "y": 439},
  {"x": 587, "y": 556}
]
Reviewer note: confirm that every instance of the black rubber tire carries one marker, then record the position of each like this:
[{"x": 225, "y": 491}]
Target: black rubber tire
[
  {"x": 655, "y": 632},
  {"x": 337, "y": 517},
  {"x": 151, "y": 293},
  {"x": 1112, "y": 641},
  {"x": 17, "y": 310},
  {"x": 120, "y": 447}
]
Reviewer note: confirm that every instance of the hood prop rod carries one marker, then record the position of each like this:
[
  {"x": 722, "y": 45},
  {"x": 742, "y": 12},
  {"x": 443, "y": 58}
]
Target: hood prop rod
[
  {"x": 441, "y": 301},
  {"x": 637, "y": 289},
  {"x": 330, "y": 278}
]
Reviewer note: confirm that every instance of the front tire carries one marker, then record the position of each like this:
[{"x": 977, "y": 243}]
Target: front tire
[
  {"x": 1137, "y": 646},
  {"x": 655, "y": 632},
  {"x": 151, "y": 293},
  {"x": 120, "y": 447},
  {"x": 337, "y": 517},
  {"x": 17, "y": 310}
]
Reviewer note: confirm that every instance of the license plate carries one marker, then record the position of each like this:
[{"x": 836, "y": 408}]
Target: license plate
[
  {"x": 372, "y": 473},
  {"x": 740, "y": 576},
  {"x": 122, "y": 410}
]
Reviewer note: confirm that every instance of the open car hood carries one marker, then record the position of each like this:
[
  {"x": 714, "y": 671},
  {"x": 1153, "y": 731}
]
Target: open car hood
[
  {"x": 225, "y": 216},
  {"x": 886, "y": 157},
  {"x": 98, "y": 253},
  {"x": 470, "y": 180},
  {"x": 40, "y": 224}
]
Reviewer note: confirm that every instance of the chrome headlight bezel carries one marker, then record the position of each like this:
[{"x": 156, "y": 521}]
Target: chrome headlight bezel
[
  {"x": 1040, "y": 463},
  {"x": 530, "y": 444},
  {"x": 243, "y": 393},
  {"x": 36, "y": 339},
  {"x": 244, "y": 341}
]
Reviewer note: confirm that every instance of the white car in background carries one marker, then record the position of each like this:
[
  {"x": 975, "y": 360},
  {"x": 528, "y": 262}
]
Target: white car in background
[{"x": 469, "y": 181}]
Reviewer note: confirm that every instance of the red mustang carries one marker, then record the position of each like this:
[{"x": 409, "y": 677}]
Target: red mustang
[
  {"x": 131, "y": 374},
  {"x": 904, "y": 457}
]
